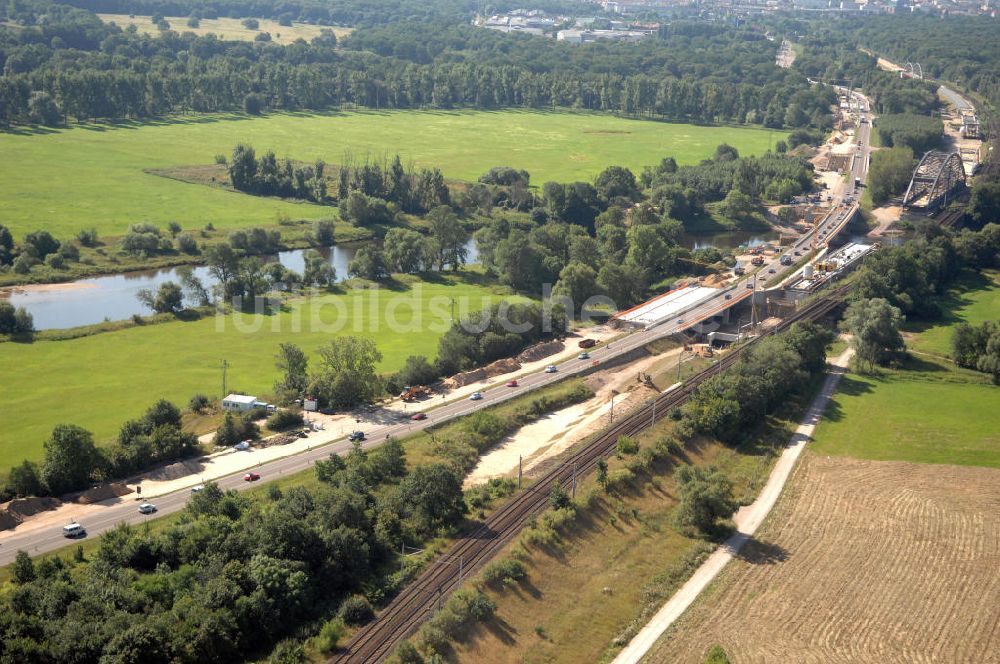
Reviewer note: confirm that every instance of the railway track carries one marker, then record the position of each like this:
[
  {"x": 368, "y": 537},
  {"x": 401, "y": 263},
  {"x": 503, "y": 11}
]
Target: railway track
[
  {"x": 418, "y": 600},
  {"x": 952, "y": 217}
]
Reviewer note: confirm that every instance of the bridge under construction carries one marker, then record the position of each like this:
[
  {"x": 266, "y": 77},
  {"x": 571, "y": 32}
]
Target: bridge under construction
[{"x": 938, "y": 177}]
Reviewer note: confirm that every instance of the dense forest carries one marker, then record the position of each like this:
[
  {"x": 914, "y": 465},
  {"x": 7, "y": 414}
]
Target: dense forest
[
  {"x": 961, "y": 49},
  {"x": 62, "y": 64}
]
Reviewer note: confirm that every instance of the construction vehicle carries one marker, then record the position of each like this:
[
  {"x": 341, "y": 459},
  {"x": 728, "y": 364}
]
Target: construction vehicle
[
  {"x": 757, "y": 260},
  {"x": 414, "y": 393},
  {"x": 587, "y": 343},
  {"x": 739, "y": 271}
]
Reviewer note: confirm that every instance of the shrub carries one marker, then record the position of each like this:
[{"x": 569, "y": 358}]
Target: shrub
[
  {"x": 283, "y": 420},
  {"x": 87, "y": 237},
  {"x": 627, "y": 445},
  {"x": 504, "y": 572},
  {"x": 55, "y": 261},
  {"x": 221, "y": 159},
  {"x": 69, "y": 251},
  {"x": 186, "y": 244},
  {"x": 330, "y": 635},
  {"x": 619, "y": 478},
  {"x": 198, "y": 403},
  {"x": 716, "y": 655},
  {"x": 356, "y": 610}
]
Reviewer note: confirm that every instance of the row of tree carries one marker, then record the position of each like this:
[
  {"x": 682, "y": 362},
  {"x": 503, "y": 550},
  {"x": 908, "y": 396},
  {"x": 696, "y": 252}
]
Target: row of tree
[
  {"x": 71, "y": 65},
  {"x": 267, "y": 177}
]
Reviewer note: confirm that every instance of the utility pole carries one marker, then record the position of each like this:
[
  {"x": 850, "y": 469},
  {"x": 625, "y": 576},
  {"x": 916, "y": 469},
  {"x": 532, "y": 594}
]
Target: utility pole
[
  {"x": 574, "y": 480},
  {"x": 652, "y": 417},
  {"x": 520, "y": 459},
  {"x": 612, "y": 411},
  {"x": 225, "y": 366}
]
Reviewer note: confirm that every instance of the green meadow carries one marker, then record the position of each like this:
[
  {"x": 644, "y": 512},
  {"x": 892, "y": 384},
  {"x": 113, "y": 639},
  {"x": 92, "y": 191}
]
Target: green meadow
[
  {"x": 87, "y": 176},
  {"x": 101, "y": 380},
  {"x": 973, "y": 299},
  {"x": 928, "y": 410}
]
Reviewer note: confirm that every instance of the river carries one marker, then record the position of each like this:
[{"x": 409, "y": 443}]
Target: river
[{"x": 113, "y": 297}]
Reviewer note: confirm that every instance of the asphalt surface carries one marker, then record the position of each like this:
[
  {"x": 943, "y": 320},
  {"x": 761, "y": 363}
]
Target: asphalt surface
[{"x": 120, "y": 510}]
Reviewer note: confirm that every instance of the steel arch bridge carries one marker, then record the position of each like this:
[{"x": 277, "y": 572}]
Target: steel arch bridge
[
  {"x": 913, "y": 69},
  {"x": 937, "y": 176}
]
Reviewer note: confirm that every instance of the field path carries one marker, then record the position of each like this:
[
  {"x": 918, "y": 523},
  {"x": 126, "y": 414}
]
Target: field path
[{"x": 747, "y": 519}]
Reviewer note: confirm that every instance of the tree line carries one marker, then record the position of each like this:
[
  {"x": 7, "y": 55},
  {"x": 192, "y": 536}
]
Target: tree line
[{"x": 71, "y": 65}]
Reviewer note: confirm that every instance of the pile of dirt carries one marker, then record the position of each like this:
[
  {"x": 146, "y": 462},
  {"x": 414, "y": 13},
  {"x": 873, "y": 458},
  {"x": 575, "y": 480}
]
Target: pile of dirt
[
  {"x": 174, "y": 471},
  {"x": 101, "y": 493},
  {"x": 541, "y": 350},
  {"x": 501, "y": 367},
  {"x": 19, "y": 509},
  {"x": 466, "y": 378}
]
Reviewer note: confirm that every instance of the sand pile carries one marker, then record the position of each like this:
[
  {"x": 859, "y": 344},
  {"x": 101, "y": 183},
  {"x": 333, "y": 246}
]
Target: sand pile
[
  {"x": 17, "y": 510},
  {"x": 541, "y": 350},
  {"x": 101, "y": 493}
]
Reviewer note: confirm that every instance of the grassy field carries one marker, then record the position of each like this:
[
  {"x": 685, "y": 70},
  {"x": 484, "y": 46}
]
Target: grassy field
[
  {"x": 102, "y": 182},
  {"x": 101, "y": 380},
  {"x": 973, "y": 299},
  {"x": 226, "y": 28},
  {"x": 929, "y": 410}
]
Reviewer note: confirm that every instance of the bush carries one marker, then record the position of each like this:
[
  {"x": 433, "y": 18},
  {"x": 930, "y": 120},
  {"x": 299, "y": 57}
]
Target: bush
[
  {"x": 87, "y": 237},
  {"x": 55, "y": 261},
  {"x": 198, "y": 403},
  {"x": 627, "y": 445},
  {"x": 69, "y": 251},
  {"x": 186, "y": 244},
  {"x": 282, "y": 420},
  {"x": 504, "y": 572},
  {"x": 407, "y": 653},
  {"x": 330, "y": 635},
  {"x": 356, "y": 610},
  {"x": 619, "y": 478}
]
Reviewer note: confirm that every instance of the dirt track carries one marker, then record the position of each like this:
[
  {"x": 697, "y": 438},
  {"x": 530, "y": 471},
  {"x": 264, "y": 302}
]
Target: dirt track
[{"x": 862, "y": 561}]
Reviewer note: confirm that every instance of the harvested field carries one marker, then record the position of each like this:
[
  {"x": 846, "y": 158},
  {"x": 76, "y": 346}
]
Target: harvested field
[{"x": 862, "y": 561}]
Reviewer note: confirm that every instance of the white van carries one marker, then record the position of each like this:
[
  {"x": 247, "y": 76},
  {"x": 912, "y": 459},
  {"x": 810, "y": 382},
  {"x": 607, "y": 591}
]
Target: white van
[{"x": 74, "y": 530}]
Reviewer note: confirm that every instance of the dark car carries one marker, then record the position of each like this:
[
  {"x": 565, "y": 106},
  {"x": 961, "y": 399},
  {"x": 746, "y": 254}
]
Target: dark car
[{"x": 357, "y": 435}]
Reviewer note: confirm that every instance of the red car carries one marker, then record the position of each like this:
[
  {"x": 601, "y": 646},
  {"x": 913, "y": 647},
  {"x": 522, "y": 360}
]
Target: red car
[
  {"x": 419, "y": 416},
  {"x": 251, "y": 477},
  {"x": 511, "y": 383}
]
